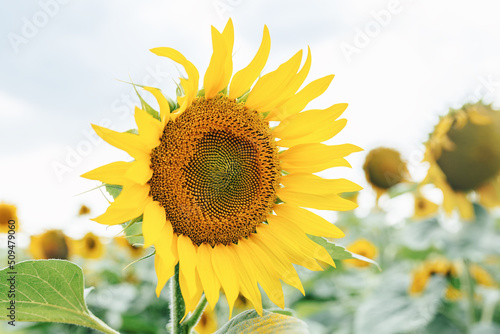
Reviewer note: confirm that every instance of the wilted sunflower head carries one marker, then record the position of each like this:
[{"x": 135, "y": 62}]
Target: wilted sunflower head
[
  {"x": 8, "y": 212},
  {"x": 465, "y": 156},
  {"x": 221, "y": 193},
  {"x": 384, "y": 168},
  {"x": 364, "y": 248},
  {"x": 90, "y": 246},
  {"x": 53, "y": 244}
]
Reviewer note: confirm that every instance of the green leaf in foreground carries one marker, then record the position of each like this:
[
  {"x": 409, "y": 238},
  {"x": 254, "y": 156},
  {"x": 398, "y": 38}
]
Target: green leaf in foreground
[
  {"x": 47, "y": 291},
  {"x": 269, "y": 323}
]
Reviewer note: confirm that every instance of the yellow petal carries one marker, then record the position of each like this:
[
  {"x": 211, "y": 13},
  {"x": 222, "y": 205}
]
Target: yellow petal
[
  {"x": 297, "y": 240},
  {"x": 320, "y": 202},
  {"x": 313, "y": 184},
  {"x": 228, "y": 35},
  {"x": 139, "y": 172},
  {"x": 192, "y": 300},
  {"x": 167, "y": 255},
  {"x": 162, "y": 103},
  {"x": 216, "y": 77},
  {"x": 291, "y": 88},
  {"x": 247, "y": 278},
  {"x": 113, "y": 173},
  {"x": 273, "y": 84},
  {"x": 310, "y": 155},
  {"x": 266, "y": 276},
  {"x": 209, "y": 280},
  {"x": 128, "y": 142},
  {"x": 128, "y": 205},
  {"x": 243, "y": 79},
  {"x": 190, "y": 86},
  {"x": 464, "y": 206},
  {"x": 162, "y": 274},
  {"x": 225, "y": 271},
  {"x": 275, "y": 258},
  {"x": 308, "y": 222},
  {"x": 300, "y": 100},
  {"x": 293, "y": 251},
  {"x": 323, "y": 133},
  {"x": 152, "y": 223},
  {"x": 187, "y": 265},
  {"x": 290, "y": 168},
  {"x": 305, "y": 123},
  {"x": 150, "y": 128}
]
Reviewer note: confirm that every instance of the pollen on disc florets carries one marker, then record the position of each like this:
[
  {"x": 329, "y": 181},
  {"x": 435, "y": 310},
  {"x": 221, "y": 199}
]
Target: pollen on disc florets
[{"x": 216, "y": 171}]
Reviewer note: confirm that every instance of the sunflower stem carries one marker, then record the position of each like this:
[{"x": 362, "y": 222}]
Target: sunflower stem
[
  {"x": 177, "y": 306},
  {"x": 469, "y": 292},
  {"x": 192, "y": 321}
]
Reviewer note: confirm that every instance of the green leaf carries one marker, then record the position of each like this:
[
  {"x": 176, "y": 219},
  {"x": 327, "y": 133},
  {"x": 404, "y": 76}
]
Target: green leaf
[
  {"x": 113, "y": 190},
  {"x": 335, "y": 251},
  {"x": 365, "y": 259},
  {"x": 269, "y": 323},
  {"x": 339, "y": 252},
  {"x": 47, "y": 291},
  {"x": 390, "y": 309},
  {"x": 133, "y": 231}
]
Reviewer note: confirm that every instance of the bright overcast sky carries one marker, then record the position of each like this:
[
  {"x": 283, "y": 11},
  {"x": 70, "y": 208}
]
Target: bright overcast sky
[{"x": 399, "y": 65}]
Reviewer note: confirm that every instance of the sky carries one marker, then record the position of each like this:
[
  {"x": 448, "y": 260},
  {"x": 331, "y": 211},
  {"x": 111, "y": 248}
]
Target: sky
[{"x": 400, "y": 64}]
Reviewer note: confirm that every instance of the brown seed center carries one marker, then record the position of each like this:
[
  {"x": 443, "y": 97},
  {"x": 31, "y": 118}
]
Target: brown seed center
[{"x": 216, "y": 171}]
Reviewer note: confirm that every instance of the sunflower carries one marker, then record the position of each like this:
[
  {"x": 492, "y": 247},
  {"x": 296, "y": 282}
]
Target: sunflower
[
  {"x": 53, "y": 244},
  {"x": 8, "y": 212},
  {"x": 207, "y": 323},
  {"x": 482, "y": 276},
  {"x": 421, "y": 275},
  {"x": 221, "y": 193},
  {"x": 361, "y": 247},
  {"x": 464, "y": 157},
  {"x": 134, "y": 251},
  {"x": 423, "y": 207},
  {"x": 90, "y": 246},
  {"x": 384, "y": 168},
  {"x": 84, "y": 210}
]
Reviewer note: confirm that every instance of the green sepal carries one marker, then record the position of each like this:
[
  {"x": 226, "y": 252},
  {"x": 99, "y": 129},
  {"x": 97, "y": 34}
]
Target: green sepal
[
  {"x": 113, "y": 189},
  {"x": 243, "y": 98}
]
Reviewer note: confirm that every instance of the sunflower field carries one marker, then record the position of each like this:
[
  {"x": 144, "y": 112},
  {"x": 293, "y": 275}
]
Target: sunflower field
[{"x": 240, "y": 187}]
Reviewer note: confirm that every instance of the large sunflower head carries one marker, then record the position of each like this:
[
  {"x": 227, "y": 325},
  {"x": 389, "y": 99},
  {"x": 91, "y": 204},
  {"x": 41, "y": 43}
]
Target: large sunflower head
[
  {"x": 464, "y": 155},
  {"x": 384, "y": 168},
  {"x": 221, "y": 193},
  {"x": 8, "y": 213},
  {"x": 53, "y": 244}
]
